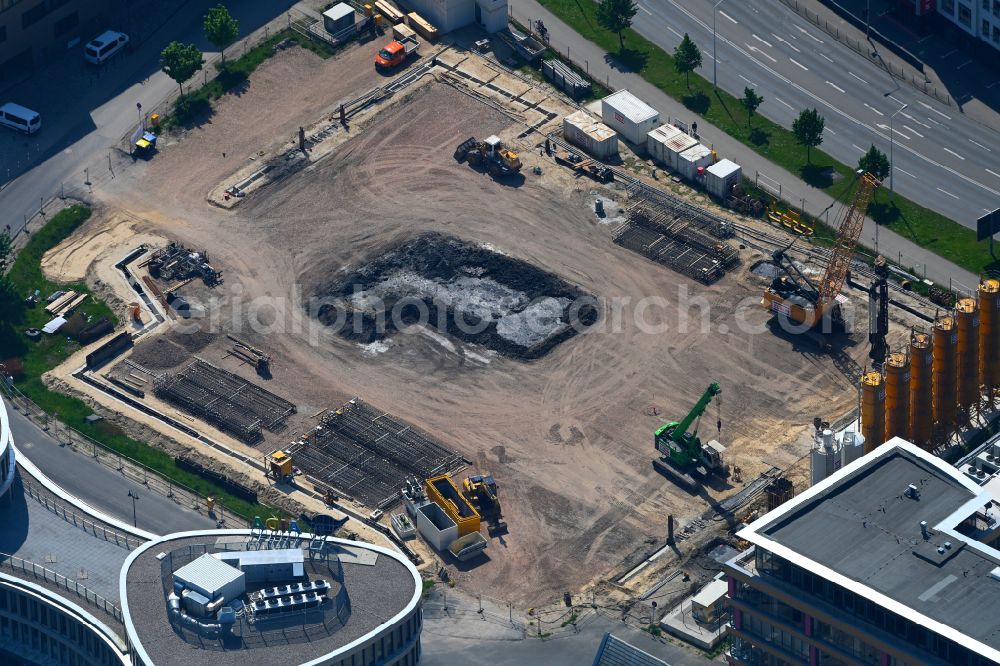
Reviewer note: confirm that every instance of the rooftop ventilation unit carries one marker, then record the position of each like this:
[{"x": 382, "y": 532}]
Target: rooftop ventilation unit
[{"x": 912, "y": 492}]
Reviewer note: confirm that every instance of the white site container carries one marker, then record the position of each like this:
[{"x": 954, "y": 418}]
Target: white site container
[
  {"x": 629, "y": 116},
  {"x": 674, "y": 147},
  {"x": 692, "y": 158},
  {"x": 596, "y": 138},
  {"x": 721, "y": 177},
  {"x": 657, "y": 140}
]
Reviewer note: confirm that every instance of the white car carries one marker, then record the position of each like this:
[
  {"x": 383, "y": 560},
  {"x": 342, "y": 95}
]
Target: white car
[{"x": 102, "y": 47}]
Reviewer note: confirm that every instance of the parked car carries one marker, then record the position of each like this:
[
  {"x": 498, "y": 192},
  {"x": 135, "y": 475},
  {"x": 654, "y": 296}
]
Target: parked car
[
  {"x": 20, "y": 118},
  {"x": 104, "y": 46}
]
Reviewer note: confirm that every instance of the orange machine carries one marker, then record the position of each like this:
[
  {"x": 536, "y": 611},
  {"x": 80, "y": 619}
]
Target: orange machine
[
  {"x": 396, "y": 52},
  {"x": 793, "y": 298}
]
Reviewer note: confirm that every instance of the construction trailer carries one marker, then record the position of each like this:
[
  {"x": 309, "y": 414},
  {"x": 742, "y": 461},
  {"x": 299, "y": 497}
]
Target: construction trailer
[
  {"x": 691, "y": 163},
  {"x": 629, "y": 116},
  {"x": 722, "y": 177},
  {"x": 596, "y": 138}
]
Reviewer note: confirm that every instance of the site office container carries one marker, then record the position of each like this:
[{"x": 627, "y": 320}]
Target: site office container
[
  {"x": 721, "y": 177},
  {"x": 673, "y": 148},
  {"x": 596, "y": 138},
  {"x": 629, "y": 116},
  {"x": 692, "y": 158},
  {"x": 657, "y": 141}
]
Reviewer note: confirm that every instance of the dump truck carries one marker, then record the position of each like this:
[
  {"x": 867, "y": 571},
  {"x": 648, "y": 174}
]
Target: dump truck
[
  {"x": 396, "y": 53},
  {"x": 498, "y": 159},
  {"x": 482, "y": 492}
]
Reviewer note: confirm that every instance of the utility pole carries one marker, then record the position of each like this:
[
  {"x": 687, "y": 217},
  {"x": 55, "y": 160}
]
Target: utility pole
[
  {"x": 715, "y": 53},
  {"x": 891, "y": 142},
  {"x": 134, "y": 497}
]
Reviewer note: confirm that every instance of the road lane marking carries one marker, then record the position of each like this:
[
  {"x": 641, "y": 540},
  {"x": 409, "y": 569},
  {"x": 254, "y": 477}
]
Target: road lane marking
[
  {"x": 757, "y": 50},
  {"x": 808, "y": 34},
  {"x": 827, "y": 57},
  {"x": 896, "y": 99},
  {"x": 827, "y": 129},
  {"x": 796, "y": 62},
  {"x": 947, "y": 192},
  {"x": 778, "y": 99},
  {"x": 957, "y": 173},
  {"x": 967, "y": 62},
  {"x": 993, "y": 84},
  {"x": 886, "y": 127},
  {"x": 645, "y": 10},
  {"x": 858, "y": 78},
  {"x": 675, "y": 32},
  {"x": 949, "y": 150},
  {"x": 931, "y": 108},
  {"x": 914, "y": 131},
  {"x": 906, "y": 115},
  {"x": 835, "y": 86},
  {"x": 873, "y": 108},
  {"x": 763, "y": 41},
  {"x": 752, "y": 84},
  {"x": 949, "y": 53},
  {"x": 905, "y": 171},
  {"x": 990, "y": 171},
  {"x": 786, "y": 42},
  {"x": 859, "y": 148},
  {"x": 980, "y": 145},
  {"x": 933, "y": 121},
  {"x": 729, "y": 17}
]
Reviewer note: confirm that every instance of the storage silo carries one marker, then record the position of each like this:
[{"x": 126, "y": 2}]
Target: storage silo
[
  {"x": 873, "y": 409},
  {"x": 852, "y": 446},
  {"x": 825, "y": 458},
  {"x": 897, "y": 396},
  {"x": 945, "y": 385},
  {"x": 967, "y": 327},
  {"x": 989, "y": 335},
  {"x": 921, "y": 389}
]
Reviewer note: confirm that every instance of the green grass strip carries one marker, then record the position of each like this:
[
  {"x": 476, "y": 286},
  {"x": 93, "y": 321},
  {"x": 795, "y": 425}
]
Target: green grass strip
[{"x": 926, "y": 228}]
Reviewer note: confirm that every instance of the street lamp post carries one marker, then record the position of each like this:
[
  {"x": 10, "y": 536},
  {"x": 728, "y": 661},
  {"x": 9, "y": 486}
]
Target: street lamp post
[
  {"x": 134, "y": 497},
  {"x": 715, "y": 53},
  {"x": 891, "y": 142}
]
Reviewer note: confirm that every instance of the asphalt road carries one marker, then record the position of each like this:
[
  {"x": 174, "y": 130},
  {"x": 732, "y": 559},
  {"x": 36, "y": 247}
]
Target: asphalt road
[
  {"x": 100, "y": 486},
  {"x": 943, "y": 160},
  {"x": 86, "y": 110}
]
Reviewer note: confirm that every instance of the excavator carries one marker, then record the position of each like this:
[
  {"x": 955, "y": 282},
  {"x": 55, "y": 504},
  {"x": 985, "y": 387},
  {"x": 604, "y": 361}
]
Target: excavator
[
  {"x": 682, "y": 451},
  {"x": 500, "y": 161},
  {"x": 801, "y": 306},
  {"x": 482, "y": 492}
]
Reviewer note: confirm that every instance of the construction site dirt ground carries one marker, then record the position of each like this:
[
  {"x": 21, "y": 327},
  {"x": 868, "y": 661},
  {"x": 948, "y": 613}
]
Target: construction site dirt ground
[{"x": 568, "y": 435}]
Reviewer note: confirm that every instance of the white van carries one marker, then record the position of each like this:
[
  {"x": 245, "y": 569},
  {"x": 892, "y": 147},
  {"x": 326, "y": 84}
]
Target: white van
[
  {"x": 17, "y": 117},
  {"x": 104, "y": 46}
]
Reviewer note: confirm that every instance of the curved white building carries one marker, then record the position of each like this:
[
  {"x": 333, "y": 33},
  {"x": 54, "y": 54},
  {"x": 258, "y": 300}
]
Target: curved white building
[
  {"x": 7, "y": 466},
  {"x": 244, "y": 597}
]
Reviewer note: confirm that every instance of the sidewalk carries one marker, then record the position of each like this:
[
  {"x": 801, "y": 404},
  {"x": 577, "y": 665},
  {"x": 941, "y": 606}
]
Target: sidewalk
[
  {"x": 948, "y": 68},
  {"x": 601, "y": 66}
]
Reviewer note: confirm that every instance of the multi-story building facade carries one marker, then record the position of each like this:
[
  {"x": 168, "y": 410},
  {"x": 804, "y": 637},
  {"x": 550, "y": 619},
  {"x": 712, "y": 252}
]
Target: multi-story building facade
[
  {"x": 891, "y": 561},
  {"x": 33, "y": 32},
  {"x": 979, "y": 19}
]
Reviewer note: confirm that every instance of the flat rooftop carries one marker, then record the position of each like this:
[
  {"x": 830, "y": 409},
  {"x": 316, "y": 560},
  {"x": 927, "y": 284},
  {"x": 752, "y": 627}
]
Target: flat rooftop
[
  {"x": 378, "y": 588},
  {"x": 863, "y": 525}
]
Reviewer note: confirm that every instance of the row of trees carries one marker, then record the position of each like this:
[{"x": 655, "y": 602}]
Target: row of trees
[{"x": 181, "y": 61}]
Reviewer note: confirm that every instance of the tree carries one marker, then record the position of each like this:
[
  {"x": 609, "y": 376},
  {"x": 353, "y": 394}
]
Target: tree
[
  {"x": 687, "y": 58},
  {"x": 750, "y": 101},
  {"x": 180, "y": 62},
  {"x": 616, "y": 16},
  {"x": 808, "y": 130},
  {"x": 875, "y": 162},
  {"x": 221, "y": 28}
]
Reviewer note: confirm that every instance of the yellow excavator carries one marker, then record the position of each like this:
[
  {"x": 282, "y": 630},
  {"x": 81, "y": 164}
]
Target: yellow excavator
[
  {"x": 499, "y": 160},
  {"x": 814, "y": 309},
  {"x": 482, "y": 492}
]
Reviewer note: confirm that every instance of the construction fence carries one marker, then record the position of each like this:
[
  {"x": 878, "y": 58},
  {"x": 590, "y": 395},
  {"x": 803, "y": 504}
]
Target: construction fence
[{"x": 127, "y": 467}]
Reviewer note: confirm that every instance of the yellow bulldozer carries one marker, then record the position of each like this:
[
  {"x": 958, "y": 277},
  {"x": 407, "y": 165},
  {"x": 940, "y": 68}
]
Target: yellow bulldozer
[
  {"x": 482, "y": 492},
  {"x": 499, "y": 160}
]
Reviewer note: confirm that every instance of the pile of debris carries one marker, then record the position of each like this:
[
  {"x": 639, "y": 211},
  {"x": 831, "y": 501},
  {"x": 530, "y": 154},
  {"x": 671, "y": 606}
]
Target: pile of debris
[{"x": 175, "y": 262}]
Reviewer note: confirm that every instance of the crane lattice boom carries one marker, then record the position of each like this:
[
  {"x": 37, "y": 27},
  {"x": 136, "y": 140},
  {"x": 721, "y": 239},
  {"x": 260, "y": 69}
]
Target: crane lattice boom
[{"x": 848, "y": 234}]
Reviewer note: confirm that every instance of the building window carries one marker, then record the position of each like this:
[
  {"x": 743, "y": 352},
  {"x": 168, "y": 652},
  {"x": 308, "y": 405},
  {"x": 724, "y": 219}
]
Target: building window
[
  {"x": 965, "y": 15},
  {"x": 986, "y": 29},
  {"x": 948, "y": 8},
  {"x": 996, "y": 8},
  {"x": 33, "y": 15},
  {"x": 67, "y": 23},
  {"x": 996, "y": 34}
]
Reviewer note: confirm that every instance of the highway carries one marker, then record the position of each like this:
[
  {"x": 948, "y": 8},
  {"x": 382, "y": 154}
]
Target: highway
[{"x": 943, "y": 160}]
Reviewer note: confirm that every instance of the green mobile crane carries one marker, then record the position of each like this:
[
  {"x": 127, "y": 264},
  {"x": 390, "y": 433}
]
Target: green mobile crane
[{"x": 683, "y": 452}]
